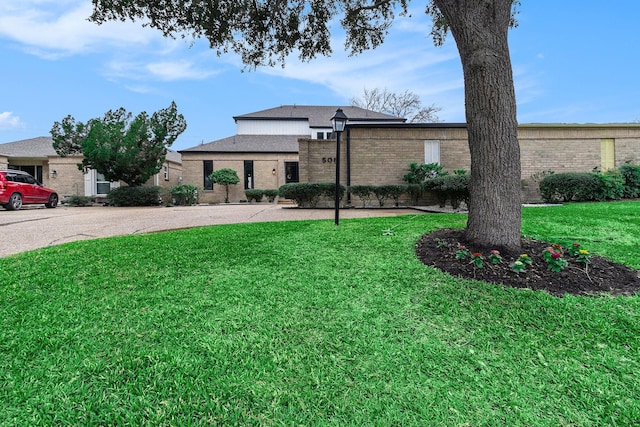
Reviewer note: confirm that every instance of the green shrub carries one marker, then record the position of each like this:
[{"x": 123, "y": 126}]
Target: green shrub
[
  {"x": 582, "y": 187},
  {"x": 631, "y": 175},
  {"x": 419, "y": 173},
  {"x": 565, "y": 187},
  {"x": 304, "y": 194},
  {"x": 254, "y": 195},
  {"x": 79, "y": 201},
  {"x": 415, "y": 192},
  {"x": 610, "y": 186},
  {"x": 144, "y": 195},
  {"x": 454, "y": 188},
  {"x": 307, "y": 194},
  {"x": 363, "y": 192},
  {"x": 395, "y": 191},
  {"x": 383, "y": 192},
  {"x": 185, "y": 194},
  {"x": 270, "y": 195}
]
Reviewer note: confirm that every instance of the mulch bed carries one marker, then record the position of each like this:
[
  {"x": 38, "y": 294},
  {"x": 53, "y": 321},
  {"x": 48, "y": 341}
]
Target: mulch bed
[{"x": 439, "y": 249}]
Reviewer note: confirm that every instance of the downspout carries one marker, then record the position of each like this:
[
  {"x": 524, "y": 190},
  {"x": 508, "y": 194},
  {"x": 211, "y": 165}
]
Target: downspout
[{"x": 348, "y": 167}]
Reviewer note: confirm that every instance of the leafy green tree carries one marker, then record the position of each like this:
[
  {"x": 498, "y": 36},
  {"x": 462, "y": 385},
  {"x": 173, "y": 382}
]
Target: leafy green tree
[
  {"x": 226, "y": 177},
  {"x": 118, "y": 146},
  {"x": 265, "y": 32}
]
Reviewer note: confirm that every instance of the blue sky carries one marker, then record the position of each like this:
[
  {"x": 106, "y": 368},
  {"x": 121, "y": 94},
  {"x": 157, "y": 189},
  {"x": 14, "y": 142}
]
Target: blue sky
[{"x": 574, "y": 62}]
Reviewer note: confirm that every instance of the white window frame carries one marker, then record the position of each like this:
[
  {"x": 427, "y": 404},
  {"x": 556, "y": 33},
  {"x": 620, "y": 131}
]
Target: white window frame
[{"x": 432, "y": 151}]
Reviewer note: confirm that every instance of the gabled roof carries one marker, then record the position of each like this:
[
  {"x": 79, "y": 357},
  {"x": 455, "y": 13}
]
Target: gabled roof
[
  {"x": 250, "y": 144},
  {"x": 318, "y": 116},
  {"x": 40, "y": 147}
]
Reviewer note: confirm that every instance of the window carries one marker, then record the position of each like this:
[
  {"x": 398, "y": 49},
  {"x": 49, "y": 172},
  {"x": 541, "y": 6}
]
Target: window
[
  {"x": 102, "y": 185},
  {"x": 432, "y": 151},
  {"x": 207, "y": 169},
  {"x": 607, "y": 154},
  {"x": 34, "y": 171},
  {"x": 249, "y": 180},
  {"x": 320, "y": 135},
  {"x": 165, "y": 171},
  {"x": 292, "y": 172}
]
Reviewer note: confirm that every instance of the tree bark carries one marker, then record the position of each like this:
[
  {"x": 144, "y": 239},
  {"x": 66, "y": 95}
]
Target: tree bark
[{"x": 480, "y": 28}]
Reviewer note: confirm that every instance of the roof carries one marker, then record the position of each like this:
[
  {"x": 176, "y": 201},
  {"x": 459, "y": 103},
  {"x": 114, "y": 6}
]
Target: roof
[
  {"x": 250, "y": 144},
  {"x": 318, "y": 116},
  {"x": 40, "y": 147}
]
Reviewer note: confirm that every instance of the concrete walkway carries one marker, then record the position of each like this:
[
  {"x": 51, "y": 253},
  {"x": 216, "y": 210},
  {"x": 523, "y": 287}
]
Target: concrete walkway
[{"x": 36, "y": 227}]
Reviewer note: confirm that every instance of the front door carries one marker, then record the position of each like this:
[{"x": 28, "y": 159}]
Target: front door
[{"x": 291, "y": 172}]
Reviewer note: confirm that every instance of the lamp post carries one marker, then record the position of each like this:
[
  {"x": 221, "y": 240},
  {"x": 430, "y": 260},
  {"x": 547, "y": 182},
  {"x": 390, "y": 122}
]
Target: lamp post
[{"x": 339, "y": 121}]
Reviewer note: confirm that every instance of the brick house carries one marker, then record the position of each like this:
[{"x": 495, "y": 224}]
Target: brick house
[
  {"x": 264, "y": 152},
  {"x": 376, "y": 154},
  {"x": 37, "y": 157}
]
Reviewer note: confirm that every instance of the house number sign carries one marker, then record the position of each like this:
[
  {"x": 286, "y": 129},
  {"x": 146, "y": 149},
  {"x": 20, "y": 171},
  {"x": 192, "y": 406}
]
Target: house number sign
[{"x": 328, "y": 160}]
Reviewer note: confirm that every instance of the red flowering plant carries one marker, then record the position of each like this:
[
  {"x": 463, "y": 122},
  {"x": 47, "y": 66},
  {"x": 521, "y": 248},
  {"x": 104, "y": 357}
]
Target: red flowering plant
[
  {"x": 553, "y": 255},
  {"x": 477, "y": 259},
  {"x": 462, "y": 252},
  {"x": 495, "y": 257}
]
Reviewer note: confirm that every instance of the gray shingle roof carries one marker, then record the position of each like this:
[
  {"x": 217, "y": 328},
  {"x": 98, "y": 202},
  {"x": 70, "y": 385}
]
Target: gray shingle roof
[
  {"x": 250, "y": 144},
  {"x": 318, "y": 116},
  {"x": 40, "y": 147}
]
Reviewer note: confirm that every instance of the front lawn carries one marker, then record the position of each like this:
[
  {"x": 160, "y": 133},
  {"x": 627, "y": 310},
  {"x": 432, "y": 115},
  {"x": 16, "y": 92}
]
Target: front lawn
[{"x": 306, "y": 323}]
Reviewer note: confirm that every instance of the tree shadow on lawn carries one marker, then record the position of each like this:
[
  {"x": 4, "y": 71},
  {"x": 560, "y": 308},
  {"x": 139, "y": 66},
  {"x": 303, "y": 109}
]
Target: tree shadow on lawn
[{"x": 439, "y": 249}]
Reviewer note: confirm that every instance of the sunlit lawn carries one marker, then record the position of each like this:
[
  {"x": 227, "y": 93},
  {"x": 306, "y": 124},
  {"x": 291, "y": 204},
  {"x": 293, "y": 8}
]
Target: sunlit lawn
[{"x": 306, "y": 323}]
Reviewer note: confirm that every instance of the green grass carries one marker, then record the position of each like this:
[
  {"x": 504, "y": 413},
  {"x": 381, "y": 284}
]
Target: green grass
[{"x": 305, "y": 323}]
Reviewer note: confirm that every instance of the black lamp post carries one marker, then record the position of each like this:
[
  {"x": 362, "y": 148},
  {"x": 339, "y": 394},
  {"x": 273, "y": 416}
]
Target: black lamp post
[{"x": 339, "y": 121}]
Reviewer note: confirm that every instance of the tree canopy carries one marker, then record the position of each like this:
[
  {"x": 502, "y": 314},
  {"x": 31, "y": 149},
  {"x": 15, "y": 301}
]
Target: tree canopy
[
  {"x": 118, "y": 146},
  {"x": 266, "y": 32},
  {"x": 226, "y": 177}
]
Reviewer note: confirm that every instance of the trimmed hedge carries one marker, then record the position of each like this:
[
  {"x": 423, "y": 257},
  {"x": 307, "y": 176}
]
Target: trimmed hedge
[
  {"x": 454, "y": 188},
  {"x": 363, "y": 192},
  {"x": 307, "y": 194},
  {"x": 582, "y": 187},
  {"x": 393, "y": 191},
  {"x": 254, "y": 195},
  {"x": 144, "y": 195},
  {"x": 257, "y": 195},
  {"x": 79, "y": 201},
  {"x": 631, "y": 175},
  {"x": 270, "y": 195}
]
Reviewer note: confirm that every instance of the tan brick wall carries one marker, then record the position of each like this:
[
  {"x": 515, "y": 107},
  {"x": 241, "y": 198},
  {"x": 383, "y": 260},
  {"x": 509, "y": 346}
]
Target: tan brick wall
[
  {"x": 382, "y": 155},
  {"x": 69, "y": 180},
  {"x": 263, "y": 167},
  {"x": 4, "y": 162}
]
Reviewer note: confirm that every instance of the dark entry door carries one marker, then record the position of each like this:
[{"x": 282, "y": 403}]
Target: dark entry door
[
  {"x": 249, "y": 182},
  {"x": 291, "y": 172}
]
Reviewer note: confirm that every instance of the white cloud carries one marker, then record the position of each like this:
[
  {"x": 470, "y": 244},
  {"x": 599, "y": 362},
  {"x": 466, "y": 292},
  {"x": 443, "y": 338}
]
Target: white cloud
[
  {"x": 9, "y": 121},
  {"x": 169, "y": 71},
  {"x": 434, "y": 73},
  {"x": 51, "y": 28}
]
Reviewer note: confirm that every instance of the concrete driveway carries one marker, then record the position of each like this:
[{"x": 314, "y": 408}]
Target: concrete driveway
[{"x": 36, "y": 227}]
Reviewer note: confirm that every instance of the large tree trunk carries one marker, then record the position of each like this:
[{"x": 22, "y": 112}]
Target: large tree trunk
[{"x": 480, "y": 28}]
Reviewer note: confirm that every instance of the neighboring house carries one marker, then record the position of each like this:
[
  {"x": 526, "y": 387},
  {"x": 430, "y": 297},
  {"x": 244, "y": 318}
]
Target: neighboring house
[
  {"x": 377, "y": 154},
  {"x": 264, "y": 152},
  {"x": 37, "y": 157}
]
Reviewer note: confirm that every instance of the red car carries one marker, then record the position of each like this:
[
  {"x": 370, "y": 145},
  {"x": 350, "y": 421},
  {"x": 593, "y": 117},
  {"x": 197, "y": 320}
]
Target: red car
[{"x": 18, "y": 188}]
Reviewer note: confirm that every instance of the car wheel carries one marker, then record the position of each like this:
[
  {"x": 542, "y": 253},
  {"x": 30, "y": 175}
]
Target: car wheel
[
  {"x": 15, "y": 202},
  {"x": 53, "y": 201}
]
